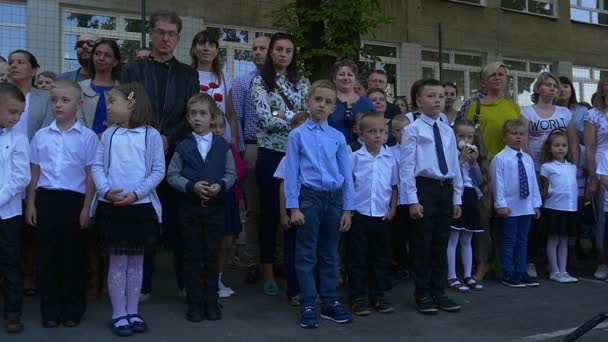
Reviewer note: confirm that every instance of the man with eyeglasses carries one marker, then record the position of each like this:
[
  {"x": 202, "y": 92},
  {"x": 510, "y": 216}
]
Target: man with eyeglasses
[
  {"x": 169, "y": 84},
  {"x": 83, "y": 48}
]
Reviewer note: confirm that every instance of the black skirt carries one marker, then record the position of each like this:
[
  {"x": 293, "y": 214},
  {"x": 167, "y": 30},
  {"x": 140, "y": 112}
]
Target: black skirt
[
  {"x": 469, "y": 220},
  {"x": 560, "y": 223},
  {"x": 124, "y": 230}
]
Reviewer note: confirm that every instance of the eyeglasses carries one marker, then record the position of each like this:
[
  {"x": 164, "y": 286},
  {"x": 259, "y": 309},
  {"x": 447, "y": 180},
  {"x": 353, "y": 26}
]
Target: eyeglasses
[
  {"x": 162, "y": 33},
  {"x": 80, "y": 43}
]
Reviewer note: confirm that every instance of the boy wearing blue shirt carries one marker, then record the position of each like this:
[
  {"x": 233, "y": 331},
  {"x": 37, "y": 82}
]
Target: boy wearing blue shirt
[{"x": 318, "y": 160}]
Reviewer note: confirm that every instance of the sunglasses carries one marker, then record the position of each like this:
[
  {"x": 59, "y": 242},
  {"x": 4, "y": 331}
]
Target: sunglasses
[{"x": 80, "y": 43}]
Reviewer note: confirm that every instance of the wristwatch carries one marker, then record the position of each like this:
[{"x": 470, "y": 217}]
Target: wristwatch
[{"x": 275, "y": 113}]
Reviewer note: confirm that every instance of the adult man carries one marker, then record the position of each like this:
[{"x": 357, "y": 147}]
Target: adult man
[
  {"x": 245, "y": 112},
  {"x": 379, "y": 79},
  {"x": 169, "y": 84},
  {"x": 83, "y": 48}
]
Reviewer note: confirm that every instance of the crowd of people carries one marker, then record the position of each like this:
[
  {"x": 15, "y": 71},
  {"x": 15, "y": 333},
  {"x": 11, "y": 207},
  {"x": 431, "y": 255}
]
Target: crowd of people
[{"x": 339, "y": 187}]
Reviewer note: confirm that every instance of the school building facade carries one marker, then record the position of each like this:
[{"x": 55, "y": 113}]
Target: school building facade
[{"x": 567, "y": 37}]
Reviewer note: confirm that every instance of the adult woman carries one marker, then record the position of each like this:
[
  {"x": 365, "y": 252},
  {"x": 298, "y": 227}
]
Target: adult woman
[
  {"x": 567, "y": 98},
  {"x": 278, "y": 94},
  {"x": 23, "y": 67},
  {"x": 544, "y": 116},
  {"x": 349, "y": 103},
  {"x": 106, "y": 72},
  {"x": 451, "y": 93},
  {"x": 45, "y": 80},
  {"x": 596, "y": 142},
  {"x": 214, "y": 81}
]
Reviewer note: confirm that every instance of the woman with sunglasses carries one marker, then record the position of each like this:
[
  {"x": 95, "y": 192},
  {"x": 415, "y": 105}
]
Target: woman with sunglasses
[
  {"x": 349, "y": 102},
  {"x": 83, "y": 47}
]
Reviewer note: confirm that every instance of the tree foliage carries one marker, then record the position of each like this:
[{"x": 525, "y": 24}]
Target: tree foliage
[{"x": 329, "y": 30}]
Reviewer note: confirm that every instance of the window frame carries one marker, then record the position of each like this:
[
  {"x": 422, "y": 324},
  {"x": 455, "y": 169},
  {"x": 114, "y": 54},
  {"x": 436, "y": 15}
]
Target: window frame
[
  {"x": 22, "y": 26},
  {"x": 482, "y": 3},
  {"x": 382, "y": 60},
  {"x": 555, "y": 14},
  {"x": 579, "y": 82},
  {"x": 516, "y": 74},
  {"x": 579, "y": 6}
]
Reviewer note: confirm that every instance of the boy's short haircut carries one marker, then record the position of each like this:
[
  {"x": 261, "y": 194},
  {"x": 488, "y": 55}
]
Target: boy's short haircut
[
  {"x": 379, "y": 72},
  {"x": 68, "y": 84},
  {"x": 368, "y": 118},
  {"x": 8, "y": 90},
  {"x": 214, "y": 110},
  {"x": 512, "y": 124},
  {"x": 327, "y": 84},
  {"x": 299, "y": 118},
  {"x": 431, "y": 82},
  {"x": 399, "y": 121},
  {"x": 375, "y": 90}
]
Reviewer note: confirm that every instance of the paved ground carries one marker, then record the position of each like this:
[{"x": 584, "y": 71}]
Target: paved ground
[{"x": 497, "y": 314}]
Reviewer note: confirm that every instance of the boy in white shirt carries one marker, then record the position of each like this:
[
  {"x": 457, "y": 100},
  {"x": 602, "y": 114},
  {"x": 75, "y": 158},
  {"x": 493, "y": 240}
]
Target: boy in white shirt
[
  {"x": 59, "y": 204},
  {"x": 516, "y": 200},
  {"x": 14, "y": 178},
  {"x": 375, "y": 179},
  {"x": 432, "y": 186}
]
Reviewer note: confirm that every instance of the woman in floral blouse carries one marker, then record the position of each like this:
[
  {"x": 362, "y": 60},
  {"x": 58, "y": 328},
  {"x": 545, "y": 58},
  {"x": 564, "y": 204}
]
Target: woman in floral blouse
[{"x": 278, "y": 94}]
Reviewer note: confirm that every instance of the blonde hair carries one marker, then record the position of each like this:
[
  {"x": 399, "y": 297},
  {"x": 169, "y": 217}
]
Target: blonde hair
[
  {"x": 326, "y": 84},
  {"x": 68, "y": 84},
  {"x": 491, "y": 68},
  {"x": 539, "y": 82},
  {"x": 601, "y": 100},
  {"x": 512, "y": 124},
  {"x": 369, "y": 118},
  {"x": 214, "y": 110}
]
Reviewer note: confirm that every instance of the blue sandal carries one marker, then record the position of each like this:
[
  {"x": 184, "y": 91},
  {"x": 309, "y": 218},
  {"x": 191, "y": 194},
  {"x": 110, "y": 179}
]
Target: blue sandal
[
  {"x": 122, "y": 330},
  {"x": 138, "y": 326}
]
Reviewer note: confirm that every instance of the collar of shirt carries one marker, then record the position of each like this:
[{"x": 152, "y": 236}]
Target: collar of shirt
[
  {"x": 311, "y": 125},
  {"x": 513, "y": 152},
  {"x": 428, "y": 120},
  {"x": 384, "y": 152},
  {"x": 207, "y": 137},
  {"x": 77, "y": 126},
  {"x": 140, "y": 129}
]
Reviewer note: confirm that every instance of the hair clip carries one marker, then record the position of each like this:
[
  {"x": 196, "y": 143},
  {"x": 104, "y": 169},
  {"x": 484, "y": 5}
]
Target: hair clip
[{"x": 131, "y": 95}]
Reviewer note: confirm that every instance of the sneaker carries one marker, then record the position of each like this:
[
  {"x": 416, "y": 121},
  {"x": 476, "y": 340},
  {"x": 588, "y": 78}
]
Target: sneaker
[
  {"x": 601, "y": 272},
  {"x": 144, "y": 297},
  {"x": 382, "y": 305},
  {"x": 239, "y": 264},
  {"x": 425, "y": 306},
  {"x": 558, "y": 277},
  {"x": 223, "y": 290},
  {"x": 271, "y": 288},
  {"x": 444, "y": 303},
  {"x": 512, "y": 282},
  {"x": 295, "y": 300},
  {"x": 308, "y": 317},
  {"x": 529, "y": 281},
  {"x": 531, "y": 270},
  {"x": 569, "y": 279},
  {"x": 336, "y": 312},
  {"x": 360, "y": 307}
]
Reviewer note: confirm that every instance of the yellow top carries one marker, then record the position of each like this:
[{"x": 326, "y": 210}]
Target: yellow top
[{"x": 491, "y": 119}]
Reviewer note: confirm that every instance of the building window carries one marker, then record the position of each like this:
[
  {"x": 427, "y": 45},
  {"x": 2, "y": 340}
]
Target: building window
[
  {"x": 589, "y": 11},
  {"x": 585, "y": 81},
  {"x": 125, "y": 29},
  {"x": 471, "y": 2},
  {"x": 12, "y": 27},
  {"x": 460, "y": 68},
  {"x": 386, "y": 59},
  {"x": 539, "y": 7},
  {"x": 522, "y": 75}
]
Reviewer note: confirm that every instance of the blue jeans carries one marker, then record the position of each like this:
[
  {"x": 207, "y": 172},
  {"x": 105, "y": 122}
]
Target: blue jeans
[
  {"x": 513, "y": 245},
  {"x": 317, "y": 244}
]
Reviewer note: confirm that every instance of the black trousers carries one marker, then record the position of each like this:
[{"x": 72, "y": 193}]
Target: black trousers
[
  {"x": 368, "y": 256},
  {"x": 10, "y": 265},
  {"x": 268, "y": 186},
  {"x": 59, "y": 255},
  {"x": 401, "y": 236},
  {"x": 430, "y": 236},
  {"x": 202, "y": 231}
]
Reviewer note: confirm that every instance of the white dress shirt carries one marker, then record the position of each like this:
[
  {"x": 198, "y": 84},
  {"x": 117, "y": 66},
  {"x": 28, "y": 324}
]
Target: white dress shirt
[
  {"x": 563, "y": 188},
  {"x": 505, "y": 183},
  {"x": 127, "y": 167},
  {"x": 419, "y": 158},
  {"x": 203, "y": 142},
  {"x": 22, "y": 125},
  {"x": 63, "y": 156},
  {"x": 373, "y": 178},
  {"x": 14, "y": 171}
]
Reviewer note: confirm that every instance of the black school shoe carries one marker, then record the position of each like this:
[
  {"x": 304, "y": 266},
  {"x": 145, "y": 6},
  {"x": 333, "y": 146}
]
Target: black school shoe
[
  {"x": 194, "y": 313},
  {"x": 382, "y": 305},
  {"x": 529, "y": 281},
  {"x": 213, "y": 311},
  {"x": 71, "y": 323},
  {"x": 444, "y": 303},
  {"x": 360, "y": 307},
  {"x": 425, "y": 306}
]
